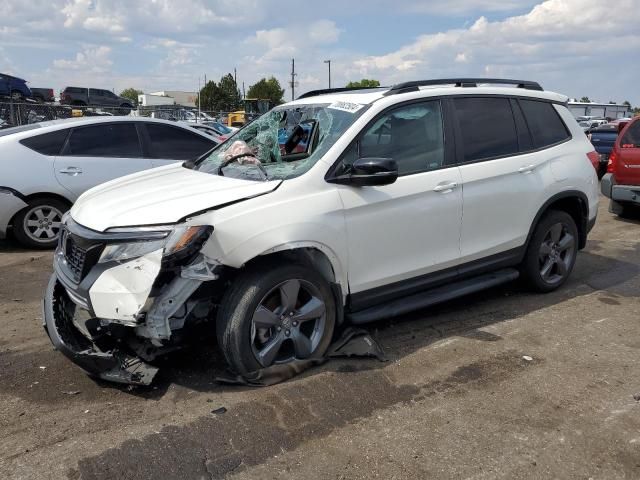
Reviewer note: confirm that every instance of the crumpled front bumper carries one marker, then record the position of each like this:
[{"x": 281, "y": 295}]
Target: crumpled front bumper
[{"x": 111, "y": 364}]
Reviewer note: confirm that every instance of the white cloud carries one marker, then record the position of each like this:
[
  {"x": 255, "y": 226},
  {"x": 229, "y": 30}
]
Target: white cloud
[{"x": 90, "y": 59}]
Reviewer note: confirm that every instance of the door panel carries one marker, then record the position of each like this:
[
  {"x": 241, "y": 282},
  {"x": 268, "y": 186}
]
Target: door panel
[
  {"x": 402, "y": 230},
  {"x": 99, "y": 153},
  {"x": 411, "y": 227}
]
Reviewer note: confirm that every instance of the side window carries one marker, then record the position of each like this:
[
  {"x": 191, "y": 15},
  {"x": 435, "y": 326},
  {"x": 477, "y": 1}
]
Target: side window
[
  {"x": 175, "y": 143},
  {"x": 487, "y": 127},
  {"x": 631, "y": 138},
  {"x": 412, "y": 135},
  {"x": 105, "y": 140},
  {"x": 545, "y": 124},
  {"x": 48, "y": 143}
]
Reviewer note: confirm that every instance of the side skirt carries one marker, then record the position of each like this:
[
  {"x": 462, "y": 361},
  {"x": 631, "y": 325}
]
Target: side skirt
[{"x": 437, "y": 295}]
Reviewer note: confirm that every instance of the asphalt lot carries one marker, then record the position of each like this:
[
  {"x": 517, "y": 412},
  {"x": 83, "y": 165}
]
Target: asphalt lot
[{"x": 456, "y": 400}]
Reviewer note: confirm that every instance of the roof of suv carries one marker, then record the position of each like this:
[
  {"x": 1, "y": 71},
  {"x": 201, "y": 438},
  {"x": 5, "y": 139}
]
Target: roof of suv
[{"x": 433, "y": 88}]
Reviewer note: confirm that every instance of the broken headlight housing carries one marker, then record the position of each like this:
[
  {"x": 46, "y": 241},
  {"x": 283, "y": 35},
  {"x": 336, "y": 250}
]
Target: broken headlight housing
[{"x": 179, "y": 243}]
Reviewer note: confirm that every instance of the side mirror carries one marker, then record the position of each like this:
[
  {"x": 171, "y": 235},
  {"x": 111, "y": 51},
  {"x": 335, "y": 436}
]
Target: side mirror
[
  {"x": 621, "y": 126},
  {"x": 369, "y": 172}
]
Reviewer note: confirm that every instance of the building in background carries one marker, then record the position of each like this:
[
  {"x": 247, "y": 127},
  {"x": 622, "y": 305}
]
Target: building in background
[
  {"x": 186, "y": 99},
  {"x": 604, "y": 110},
  {"x": 149, "y": 100}
]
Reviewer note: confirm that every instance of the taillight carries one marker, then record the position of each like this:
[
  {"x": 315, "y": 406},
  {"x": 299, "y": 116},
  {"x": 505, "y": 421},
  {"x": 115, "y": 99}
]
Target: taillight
[
  {"x": 612, "y": 160},
  {"x": 594, "y": 158}
]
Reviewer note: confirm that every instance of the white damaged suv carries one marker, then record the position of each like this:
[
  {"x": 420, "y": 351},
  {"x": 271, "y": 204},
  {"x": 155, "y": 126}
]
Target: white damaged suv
[{"x": 344, "y": 206}]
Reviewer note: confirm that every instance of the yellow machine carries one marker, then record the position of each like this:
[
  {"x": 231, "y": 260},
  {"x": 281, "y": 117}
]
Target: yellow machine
[{"x": 253, "y": 108}]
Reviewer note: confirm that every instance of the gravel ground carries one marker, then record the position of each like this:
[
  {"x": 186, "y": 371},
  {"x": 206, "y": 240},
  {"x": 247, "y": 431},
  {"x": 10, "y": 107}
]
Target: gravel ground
[{"x": 503, "y": 384}]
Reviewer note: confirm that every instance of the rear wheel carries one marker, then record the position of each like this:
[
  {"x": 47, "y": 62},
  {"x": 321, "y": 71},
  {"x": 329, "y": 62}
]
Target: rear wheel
[
  {"x": 38, "y": 224},
  {"x": 275, "y": 314},
  {"x": 552, "y": 252},
  {"x": 16, "y": 96}
]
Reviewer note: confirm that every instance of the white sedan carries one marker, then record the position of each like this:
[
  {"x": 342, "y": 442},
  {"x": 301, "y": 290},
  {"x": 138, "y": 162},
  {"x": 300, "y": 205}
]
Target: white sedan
[{"x": 46, "y": 166}]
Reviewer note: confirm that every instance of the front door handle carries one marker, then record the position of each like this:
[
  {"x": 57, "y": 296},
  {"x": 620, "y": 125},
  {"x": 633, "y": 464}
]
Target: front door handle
[
  {"x": 445, "y": 187},
  {"x": 73, "y": 171},
  {"x": 526, "y": 169}
]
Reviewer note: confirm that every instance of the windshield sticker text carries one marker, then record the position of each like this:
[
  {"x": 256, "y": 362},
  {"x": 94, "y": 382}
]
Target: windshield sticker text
[{"x": 346, "y": 106}]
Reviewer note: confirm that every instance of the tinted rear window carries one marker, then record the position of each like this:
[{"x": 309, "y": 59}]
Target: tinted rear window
[
  {"x": 75, "y": 90},
  {"x": 545, "y": 124},
  {"x": 175, "y": 143},
  {"x": 105, "y": 140},
  {"x": 631, "y": 138},
  {"x": 48, "y": 143},
  {"x": 487, "y": 126}
]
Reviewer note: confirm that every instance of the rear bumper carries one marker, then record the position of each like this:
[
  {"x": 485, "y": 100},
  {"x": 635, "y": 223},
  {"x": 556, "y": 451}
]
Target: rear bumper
[
  {"x": 10, "y": 204},
  {"x": 108, "y": 363},
  {"x": 619, "y": 193}
]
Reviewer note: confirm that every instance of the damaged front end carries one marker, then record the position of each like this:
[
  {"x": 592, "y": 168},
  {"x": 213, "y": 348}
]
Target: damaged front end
[{"x": 117, "y": 300}]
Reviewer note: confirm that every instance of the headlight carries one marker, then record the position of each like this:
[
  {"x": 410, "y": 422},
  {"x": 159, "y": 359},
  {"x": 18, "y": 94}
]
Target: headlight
[{"x": 179, "y": 243}]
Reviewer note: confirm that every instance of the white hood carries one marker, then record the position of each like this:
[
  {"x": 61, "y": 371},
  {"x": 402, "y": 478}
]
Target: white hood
[{"x": 161, "y": 195}]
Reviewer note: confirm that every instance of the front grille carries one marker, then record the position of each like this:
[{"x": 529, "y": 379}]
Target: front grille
[
  {"x": 75, "y": 257},
  {"x": 80, "y": 255}
]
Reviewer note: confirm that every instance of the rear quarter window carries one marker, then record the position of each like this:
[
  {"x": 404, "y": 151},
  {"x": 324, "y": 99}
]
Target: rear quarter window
[
  {"x": 48, "y": 143},
  {"x": 545, "y": 124}
]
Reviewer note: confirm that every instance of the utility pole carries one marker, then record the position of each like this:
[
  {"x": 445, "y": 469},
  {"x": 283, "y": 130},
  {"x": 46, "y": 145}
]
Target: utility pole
[
  {"x": 244, "y": 96},
  {"x": 235, "y": 76},
  {"x": 328, "y": 62},
  {"x": 293, "y": 79}
]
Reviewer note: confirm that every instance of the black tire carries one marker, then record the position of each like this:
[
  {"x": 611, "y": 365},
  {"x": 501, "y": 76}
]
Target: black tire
[
  {"x": 17, "y": 96},
  {"x": 545, "y": 272},
  {"x": 26, "y": 235},
  {"x": 242, "y": 343}
]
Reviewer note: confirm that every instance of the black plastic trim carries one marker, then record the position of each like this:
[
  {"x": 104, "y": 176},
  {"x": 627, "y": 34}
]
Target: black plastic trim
[
  {"x": 368, "y": 298},
  {"x": 413, "y": 86},
  {"x": 583, "y": 229},
  {"x": 327, "y": 91},
  {"x": 435, "y": 296},
  {"x": 15, "y": 193}
]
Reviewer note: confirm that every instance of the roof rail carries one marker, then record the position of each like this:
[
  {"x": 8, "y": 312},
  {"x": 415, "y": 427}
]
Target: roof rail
[
  {"x": 326, "y": 91},
  {"x": 460, "y": 82}
]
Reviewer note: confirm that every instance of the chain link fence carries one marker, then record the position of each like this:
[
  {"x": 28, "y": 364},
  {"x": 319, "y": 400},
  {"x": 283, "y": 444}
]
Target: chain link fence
[{"x": 13, "y": 114}]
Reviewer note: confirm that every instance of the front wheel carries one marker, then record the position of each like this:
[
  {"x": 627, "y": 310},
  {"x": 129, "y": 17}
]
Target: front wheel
[
  {"x": 275, "y": 314},
  {"x": 38, "y": 224},
  {"x": 552, "y": 252}
]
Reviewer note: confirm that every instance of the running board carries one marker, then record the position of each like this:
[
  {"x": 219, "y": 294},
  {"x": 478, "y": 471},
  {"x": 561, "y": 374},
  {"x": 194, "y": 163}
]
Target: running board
[{"x": 433, "y": 297}]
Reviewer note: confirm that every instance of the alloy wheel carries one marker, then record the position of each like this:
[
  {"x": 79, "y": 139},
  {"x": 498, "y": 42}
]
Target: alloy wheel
[
  {"x": 556, "y": 253},
  {"x": 42, "y": 223},
  {"x": 288, "y": 323}
]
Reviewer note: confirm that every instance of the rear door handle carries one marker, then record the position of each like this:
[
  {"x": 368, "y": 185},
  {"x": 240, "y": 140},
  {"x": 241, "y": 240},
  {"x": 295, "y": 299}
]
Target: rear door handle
[
  {"x": 526, "y": 169},
  {"x": 446, "y": 187},
  {"x": 73, "y": 171}
]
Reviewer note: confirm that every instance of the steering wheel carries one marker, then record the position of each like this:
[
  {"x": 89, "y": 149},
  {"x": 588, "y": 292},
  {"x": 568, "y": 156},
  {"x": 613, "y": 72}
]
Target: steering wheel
[{"x": 241, "y": 155}]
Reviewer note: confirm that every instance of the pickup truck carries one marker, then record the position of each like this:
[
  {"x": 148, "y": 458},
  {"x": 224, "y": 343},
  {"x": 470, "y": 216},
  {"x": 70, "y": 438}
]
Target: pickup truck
[
  {"x": 13, "y": 87},
  {"x": 43, "y": 94},
  {"x": 603, "y": 137},
  {"x": 94, "y": 97}
]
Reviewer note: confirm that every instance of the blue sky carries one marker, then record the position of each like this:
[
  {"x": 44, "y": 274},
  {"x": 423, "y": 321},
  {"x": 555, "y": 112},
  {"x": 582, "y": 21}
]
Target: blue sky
[{"x": 576, "y": 47}]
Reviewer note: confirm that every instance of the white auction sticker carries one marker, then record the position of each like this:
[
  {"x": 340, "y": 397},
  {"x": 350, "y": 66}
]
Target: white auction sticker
[{"x": 346, "y": 106}]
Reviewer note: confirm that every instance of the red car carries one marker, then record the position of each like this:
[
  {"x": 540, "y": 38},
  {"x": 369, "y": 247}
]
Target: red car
[{"x": 622, "y": 181}]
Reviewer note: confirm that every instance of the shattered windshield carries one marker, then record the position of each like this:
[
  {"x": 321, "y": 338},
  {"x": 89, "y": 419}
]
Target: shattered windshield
[{"x": 283, "y": 143}]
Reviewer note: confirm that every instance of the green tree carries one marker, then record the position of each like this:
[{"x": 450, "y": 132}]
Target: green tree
[
  {"x": 585, "y": 100},
  {"x": 627, "y": 103},
  {"x": 131, "y": 94},
  {"x": 209, "y": 96},
  {"x": 267, "y": 89},
  {"x": 364, "y": 83},
  {"x": 229, "y": 98}
]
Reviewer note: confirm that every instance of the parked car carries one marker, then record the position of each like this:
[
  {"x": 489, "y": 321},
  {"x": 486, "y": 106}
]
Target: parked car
[
  {"x": 280, "y": 244},
  {"x": 14, "y": 87},
  {"x": 201, "y": 127},
  {"x": 622, "y": 182},
  {"x": 94, "y": 97},
  {"x": 66, "y": 157},
  {"x": 43, "y": 94},
  {"x": 603, "y": 138}
]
